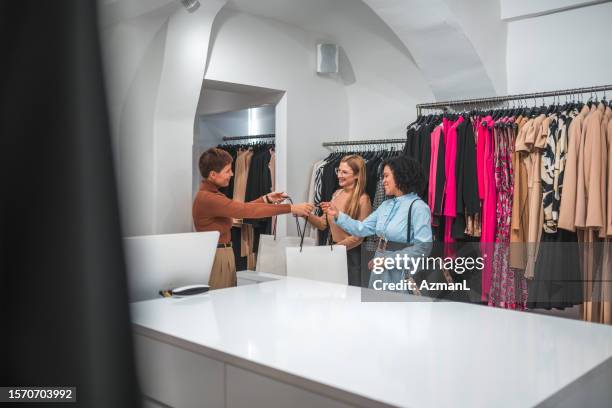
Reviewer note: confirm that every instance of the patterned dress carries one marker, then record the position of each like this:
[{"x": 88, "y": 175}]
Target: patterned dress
[
  {"x": 508, "y": 289},
  {"x": 552, "y": 170}
]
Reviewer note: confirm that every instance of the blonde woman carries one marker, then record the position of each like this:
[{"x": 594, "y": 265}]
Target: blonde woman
[{"x": 353, "y": 200}]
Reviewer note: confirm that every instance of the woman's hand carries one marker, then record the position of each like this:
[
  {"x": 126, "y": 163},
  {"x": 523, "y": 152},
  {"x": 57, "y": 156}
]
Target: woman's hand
[
  {"x": 330, "y": 208},
  {"x": 276, "y": 197},
  {"x": 302, "y": 210},
  {"x": 371, "y": 263}
]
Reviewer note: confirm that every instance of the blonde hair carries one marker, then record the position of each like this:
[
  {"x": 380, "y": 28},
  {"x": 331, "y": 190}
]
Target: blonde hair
[{"x": 357, "y": 164}]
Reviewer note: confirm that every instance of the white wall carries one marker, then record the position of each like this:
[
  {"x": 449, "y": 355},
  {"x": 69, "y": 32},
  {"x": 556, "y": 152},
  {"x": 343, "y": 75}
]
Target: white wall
[
  {"x": 218, "y": 101},
  {"x": 520, "y": 9},
  {"x": 562, "y": 50},
  {"x": 383, "y": 84},
  {"x": 480, "y": 21},
  {"x": 155, "y": 66},
  {"x": 266, "y": 53},
  {"x": 185, "y": 55},
  {"x": 133, "y": 57}
]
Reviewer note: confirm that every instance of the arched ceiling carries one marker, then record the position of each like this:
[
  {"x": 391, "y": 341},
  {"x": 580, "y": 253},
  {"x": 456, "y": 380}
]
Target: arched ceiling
[
  {"x": 429, "y": 31},
  {"x": 439, "y": 45}
]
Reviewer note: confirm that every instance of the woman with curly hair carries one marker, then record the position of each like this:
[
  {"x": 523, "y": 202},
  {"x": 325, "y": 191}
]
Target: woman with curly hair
[{"x": 402, "y": 223}]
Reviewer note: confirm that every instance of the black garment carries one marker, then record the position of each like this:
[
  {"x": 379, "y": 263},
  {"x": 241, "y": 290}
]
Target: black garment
[
  {"x": 329, "y": 179},
  {"x": 372, "y": 176},
  {"x": 466, "y": 178},
  {"x": 64, "y": 304},
  {"x": 233, "y": 151},
  {"x": 259, "y": 183},
  {"x": 558, "y": 280},
  {"x": 366, "y": 256},
  {"x": 411, "y": 147},
  {"x": 241, "y": 261},
  {"x": 353, "y": 259},
  {"x": 329, "y": 184},
  {"x": 425, "y": 155}
]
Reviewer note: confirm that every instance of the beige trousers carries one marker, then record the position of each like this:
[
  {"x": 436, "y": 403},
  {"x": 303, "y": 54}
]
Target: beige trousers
[{"x": 223, "y": 273}]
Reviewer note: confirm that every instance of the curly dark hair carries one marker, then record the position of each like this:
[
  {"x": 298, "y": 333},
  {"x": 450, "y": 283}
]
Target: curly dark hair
[{"x": 408, "y": 174}]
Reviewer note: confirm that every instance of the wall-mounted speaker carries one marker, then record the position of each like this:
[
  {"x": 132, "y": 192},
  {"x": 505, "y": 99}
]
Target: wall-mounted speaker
[{"x": 327, "y": 58}]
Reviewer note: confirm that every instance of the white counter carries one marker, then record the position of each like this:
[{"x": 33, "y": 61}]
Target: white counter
[{"x": 321, "y": 338}]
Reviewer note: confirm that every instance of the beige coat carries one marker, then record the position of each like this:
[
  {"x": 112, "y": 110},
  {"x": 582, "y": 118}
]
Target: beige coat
[
  {"x": 607, "y": 113},
  {"x": 593, "y": 170},
  {"x": 520, "y": 215},
  {"x": 567, "y": 212},
  {"x": 609, "y": 210}
]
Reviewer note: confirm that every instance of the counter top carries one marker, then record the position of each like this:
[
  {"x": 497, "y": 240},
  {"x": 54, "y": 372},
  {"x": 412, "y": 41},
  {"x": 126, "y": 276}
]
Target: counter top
[{"x": 416, "y": 354}]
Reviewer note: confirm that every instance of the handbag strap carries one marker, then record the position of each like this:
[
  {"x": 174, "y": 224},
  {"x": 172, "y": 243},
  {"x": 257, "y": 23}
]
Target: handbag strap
[{"x": 409, "y": 221}]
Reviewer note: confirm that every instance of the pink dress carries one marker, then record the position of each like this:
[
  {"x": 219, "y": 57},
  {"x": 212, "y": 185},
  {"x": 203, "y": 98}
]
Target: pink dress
[
  {"x": 489, "y": 205},
  {"x": 450, "y": 189},
  {"x": 489, "y": 202},
  {"x": 480, "y": 154},
  {"x": 433, "y": 167},
  {"x": 508, "y": 289}
]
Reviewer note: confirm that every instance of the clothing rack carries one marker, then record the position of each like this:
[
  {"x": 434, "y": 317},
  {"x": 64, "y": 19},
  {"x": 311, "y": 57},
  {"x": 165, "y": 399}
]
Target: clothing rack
[
  {"x": 264, "y": 136},
  {"x": 363, "y": 142},
  {"x": 444, "y": 105}
]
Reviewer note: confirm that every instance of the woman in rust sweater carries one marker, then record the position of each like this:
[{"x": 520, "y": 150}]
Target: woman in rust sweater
[{"x": 213, "y": 211}]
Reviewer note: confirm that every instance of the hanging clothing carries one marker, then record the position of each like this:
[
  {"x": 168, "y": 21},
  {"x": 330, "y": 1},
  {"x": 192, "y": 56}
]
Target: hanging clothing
[
  {"x": 489, "y": 197},
  {"x": 437, "y": 175},
  {"x": 315, "y": 178},
  {"x": 520, "y": 215},
  {"x": 467, "y": 202},
  {"x": 259, "y": 183},
  {"x": 558, "y": 282},
  {"x": 487, "y": 175},
  {"x": 450, "y": 186},
  {"x": 508, "y": 286},
  {"x": 567, "y": 211},
  {"x": 435, "y": 146},
  {"x": 554, "y": 158},
  {"x": 241, "y": 174},
  {"x": 535, "y": 140},
  {"x": 609, "y": 186},
  {"x": 272, "y": 168}
]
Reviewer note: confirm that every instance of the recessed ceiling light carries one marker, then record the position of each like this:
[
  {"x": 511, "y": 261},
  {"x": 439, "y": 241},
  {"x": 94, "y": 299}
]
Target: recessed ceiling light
[{"x": 191, "y": 5}]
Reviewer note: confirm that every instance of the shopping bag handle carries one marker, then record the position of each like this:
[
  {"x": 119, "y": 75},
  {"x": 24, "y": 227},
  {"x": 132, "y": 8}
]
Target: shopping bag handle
[
  {"x": 297, "y": 224},
  {"x": 303, "y": 234}
]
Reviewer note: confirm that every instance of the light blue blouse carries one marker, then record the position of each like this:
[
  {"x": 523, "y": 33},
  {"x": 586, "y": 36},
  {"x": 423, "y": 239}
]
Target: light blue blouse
[{"x": 390, "y": 221}]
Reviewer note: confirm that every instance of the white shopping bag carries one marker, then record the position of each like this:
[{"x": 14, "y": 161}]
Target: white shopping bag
[
  {"x": 271, "y": 255},
  {"x": 323, "y": 263}
]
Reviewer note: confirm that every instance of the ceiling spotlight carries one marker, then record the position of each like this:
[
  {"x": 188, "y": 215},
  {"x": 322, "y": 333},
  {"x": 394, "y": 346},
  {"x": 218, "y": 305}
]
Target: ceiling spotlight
[{"x": 190, "y": 5}]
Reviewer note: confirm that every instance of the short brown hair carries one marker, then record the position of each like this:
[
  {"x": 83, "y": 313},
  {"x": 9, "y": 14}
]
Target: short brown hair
[{"x": 213, "y": 159}]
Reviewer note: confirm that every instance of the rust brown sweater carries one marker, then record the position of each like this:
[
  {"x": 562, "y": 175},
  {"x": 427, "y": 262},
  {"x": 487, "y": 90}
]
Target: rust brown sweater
[{"x": 213, "y": 211}]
